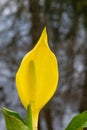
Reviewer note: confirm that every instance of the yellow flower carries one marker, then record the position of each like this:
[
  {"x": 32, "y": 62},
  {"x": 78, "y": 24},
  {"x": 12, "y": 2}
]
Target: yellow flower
[{"x": 37, "y": 77}]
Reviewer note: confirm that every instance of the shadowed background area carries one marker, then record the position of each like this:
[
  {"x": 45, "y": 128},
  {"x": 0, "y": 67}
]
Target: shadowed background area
[{"x": 21, "y": 23}]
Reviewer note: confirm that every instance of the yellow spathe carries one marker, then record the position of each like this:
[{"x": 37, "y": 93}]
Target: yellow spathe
[{"x": 37, "y": 77}]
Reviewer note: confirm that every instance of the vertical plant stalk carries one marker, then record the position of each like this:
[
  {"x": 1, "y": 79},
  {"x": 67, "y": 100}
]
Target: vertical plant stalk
[
  {"x": 35, "y": 120},
  {"x": 32, "y": 118}
]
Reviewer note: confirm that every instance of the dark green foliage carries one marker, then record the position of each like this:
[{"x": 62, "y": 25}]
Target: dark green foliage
[
  {"x": 78, "y": 122},
  {"x": 15, "y": 122}
]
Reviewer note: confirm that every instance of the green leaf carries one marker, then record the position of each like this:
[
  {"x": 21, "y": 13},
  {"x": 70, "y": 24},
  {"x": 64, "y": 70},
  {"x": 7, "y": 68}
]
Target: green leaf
[
  {"x": 14, "y": 121},
  {"x": 78, "y": 122}
]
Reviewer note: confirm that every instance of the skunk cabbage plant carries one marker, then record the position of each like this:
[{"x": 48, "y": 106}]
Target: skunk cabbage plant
[{"x": 37, "y": 77}]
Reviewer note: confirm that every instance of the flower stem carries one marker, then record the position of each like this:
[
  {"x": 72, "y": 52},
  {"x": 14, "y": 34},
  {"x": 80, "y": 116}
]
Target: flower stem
[{"x": 35, "y": 120}]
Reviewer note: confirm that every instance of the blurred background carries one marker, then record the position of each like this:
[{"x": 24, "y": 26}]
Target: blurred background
[{"x": 21, "y": 23}]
